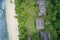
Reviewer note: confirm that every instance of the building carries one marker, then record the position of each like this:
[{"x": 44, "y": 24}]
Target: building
[
  {"x": 39, "y": 1},
  {"x": 42, "y": 7},
  {"x": 45, "y": 35},
  {"x": 39, "y": 23},
  {"x": 41, "y": 13}
]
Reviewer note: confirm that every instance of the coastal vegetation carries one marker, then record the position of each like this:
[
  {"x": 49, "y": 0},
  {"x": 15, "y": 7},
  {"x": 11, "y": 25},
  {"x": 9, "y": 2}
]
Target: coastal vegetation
[
  {"x": 27, "y": 11},
  {"x": 52, "y": 19}
]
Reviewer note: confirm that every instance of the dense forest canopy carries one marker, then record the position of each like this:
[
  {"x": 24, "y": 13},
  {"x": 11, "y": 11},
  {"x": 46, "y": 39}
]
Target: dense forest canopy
[{"x": 53, "y": 16}]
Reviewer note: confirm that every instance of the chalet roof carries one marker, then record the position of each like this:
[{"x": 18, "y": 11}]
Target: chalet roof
[
  {"x": 41, "y": 13},
  {"x": 42, "y": 7},
  {"x": 40, "y": 1},
  {"x": 39, "y": 23},
  {"x": 45, "y": 35}
]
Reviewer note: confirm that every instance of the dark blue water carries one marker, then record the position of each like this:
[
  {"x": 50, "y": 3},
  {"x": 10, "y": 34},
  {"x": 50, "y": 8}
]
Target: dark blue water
[{"x": 3, "y": 24}]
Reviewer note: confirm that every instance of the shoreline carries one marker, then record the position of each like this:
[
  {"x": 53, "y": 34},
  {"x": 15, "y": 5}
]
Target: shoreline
[{"x": 12, "y": 24}]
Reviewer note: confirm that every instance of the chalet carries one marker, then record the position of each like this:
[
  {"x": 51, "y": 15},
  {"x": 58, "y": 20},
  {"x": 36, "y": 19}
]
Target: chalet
[
  {"x": 42, "y": 7},
  {"x": 39, "y": 23},
  {"x": 41, "y": 13},
  {"x": 39, "y": 1},
  {"x": 45, "y": 35}
]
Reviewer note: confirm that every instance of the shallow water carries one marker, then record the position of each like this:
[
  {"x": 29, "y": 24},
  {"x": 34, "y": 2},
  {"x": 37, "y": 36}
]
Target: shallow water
[{"x": 3, "y": 25}]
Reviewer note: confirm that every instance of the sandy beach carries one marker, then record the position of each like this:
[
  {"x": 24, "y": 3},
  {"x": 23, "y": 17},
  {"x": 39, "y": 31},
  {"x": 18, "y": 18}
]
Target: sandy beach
[{"x": 12, "y": 24}]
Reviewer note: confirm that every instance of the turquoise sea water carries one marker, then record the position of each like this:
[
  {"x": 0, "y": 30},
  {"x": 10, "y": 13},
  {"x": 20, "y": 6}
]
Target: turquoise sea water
[{"x": 3, "y": 24}]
